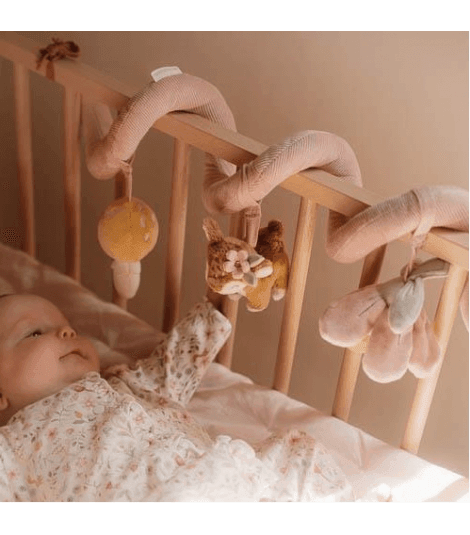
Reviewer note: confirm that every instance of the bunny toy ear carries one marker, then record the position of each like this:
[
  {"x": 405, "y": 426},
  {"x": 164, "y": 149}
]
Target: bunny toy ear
[{"x": 212, "y": 230}]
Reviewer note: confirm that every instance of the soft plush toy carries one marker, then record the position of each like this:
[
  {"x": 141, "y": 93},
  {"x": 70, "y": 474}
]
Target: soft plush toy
[
  {"x": 127, "y": 232},
  {"x": 128, "y": 229},
  {"x": 392, "y": 313},
  {"x": 270, "y": 245},
  {"x": 236, "y": 268}
]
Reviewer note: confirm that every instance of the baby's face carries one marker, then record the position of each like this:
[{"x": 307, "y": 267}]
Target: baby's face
[{"x": 39, "y": 352}]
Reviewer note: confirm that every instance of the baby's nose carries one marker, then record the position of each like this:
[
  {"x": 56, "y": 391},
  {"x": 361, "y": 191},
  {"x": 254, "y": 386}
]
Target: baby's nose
[{"x": 67, "y": 332}]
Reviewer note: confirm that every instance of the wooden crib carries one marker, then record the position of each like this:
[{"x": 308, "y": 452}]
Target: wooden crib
[{"x": 193, "y": 132}]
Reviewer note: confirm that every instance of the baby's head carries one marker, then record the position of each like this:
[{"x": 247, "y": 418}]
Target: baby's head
[{"x": 39, "y": 352}]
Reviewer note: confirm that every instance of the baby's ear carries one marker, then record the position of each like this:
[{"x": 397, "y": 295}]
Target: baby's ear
[
  {"x": 4, "y": 404},
  {"x": 212, "y": 230}
]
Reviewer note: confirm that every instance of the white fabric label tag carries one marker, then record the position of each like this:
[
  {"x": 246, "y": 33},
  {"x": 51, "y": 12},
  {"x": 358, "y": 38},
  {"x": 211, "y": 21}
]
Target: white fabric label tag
[{"x": 163, "y": 72}]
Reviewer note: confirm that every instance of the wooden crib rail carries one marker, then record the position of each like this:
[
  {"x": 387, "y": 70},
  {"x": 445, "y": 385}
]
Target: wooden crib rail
[{"x": 313, "y": 187}]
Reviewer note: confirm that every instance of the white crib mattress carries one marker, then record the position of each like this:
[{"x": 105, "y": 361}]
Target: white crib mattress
[{"x": 229, "y": 403}]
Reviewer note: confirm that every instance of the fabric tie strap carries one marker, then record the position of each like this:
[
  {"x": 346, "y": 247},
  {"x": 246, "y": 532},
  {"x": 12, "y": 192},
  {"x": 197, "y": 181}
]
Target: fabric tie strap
[
  {"x": 58, "y": 49},
  {"x": 427, "y": 211}
]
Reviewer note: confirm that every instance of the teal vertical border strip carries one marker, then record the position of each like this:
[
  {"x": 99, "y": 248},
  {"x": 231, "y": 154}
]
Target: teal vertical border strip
[{"x": 244, "y": 15}]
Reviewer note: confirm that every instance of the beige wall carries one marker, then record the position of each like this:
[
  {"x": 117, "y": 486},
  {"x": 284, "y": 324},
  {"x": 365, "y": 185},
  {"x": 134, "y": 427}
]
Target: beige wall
[{"x": 399, "y": 99}]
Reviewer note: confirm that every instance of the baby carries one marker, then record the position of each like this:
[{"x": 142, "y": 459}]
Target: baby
[
  {"x": 39, "y": 353},
  {"x": 69, "y": 434}
]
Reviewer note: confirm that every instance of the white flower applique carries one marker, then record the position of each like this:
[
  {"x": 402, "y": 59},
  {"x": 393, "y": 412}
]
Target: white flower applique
[{"x": 237, "y": 263}]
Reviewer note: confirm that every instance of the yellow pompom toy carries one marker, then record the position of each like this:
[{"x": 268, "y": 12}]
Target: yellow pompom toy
[{"x": 127, "y": 232}]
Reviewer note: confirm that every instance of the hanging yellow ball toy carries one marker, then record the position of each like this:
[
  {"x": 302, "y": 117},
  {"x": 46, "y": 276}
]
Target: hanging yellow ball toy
[{"x": 127, "y": 232}]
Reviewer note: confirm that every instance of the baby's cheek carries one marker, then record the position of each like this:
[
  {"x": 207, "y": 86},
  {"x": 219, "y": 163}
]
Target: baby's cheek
[
  {"x": 92, "y": 353},
  {"x": 36, "y": 380},
  {"x": 37, "y": 368}
]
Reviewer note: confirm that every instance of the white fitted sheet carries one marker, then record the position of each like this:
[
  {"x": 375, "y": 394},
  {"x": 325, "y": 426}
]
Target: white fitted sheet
[{"x": 229, "y": 403}]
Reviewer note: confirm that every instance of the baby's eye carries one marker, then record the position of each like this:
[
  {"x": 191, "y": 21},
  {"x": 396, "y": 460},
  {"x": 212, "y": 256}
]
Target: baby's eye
[{"x": 36, "y": 332}]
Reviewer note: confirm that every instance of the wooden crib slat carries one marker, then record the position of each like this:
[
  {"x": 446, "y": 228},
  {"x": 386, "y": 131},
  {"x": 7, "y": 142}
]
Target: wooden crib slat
[
  {"x": 372, "y": 266},
  {"x": 176, "y": 233},
  {"x": 347, "y": 380},
  {"x": 443, "y": 322},
  {"x": 72, "y": 184},
  {"x": 295, "y": 294},
  {"x": 230, "y": 311},
  {"x": 352, "y": 356},
  {"x": 229, "y": 307},
  {"x": 24, "y": 154}
]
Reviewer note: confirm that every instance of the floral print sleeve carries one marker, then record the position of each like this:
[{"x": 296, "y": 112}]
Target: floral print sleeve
[
  {"x": 178, "y": 363},
  {"x": 5, "y": 492}
]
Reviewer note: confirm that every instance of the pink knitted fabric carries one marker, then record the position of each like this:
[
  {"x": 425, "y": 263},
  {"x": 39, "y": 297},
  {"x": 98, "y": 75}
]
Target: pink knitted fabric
[
  {"x": 320, "y": 150},
  {"x": 107, "y": 155},
  {"x": 440, "y": 206},
  {"x": 224, "y": 190}
]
